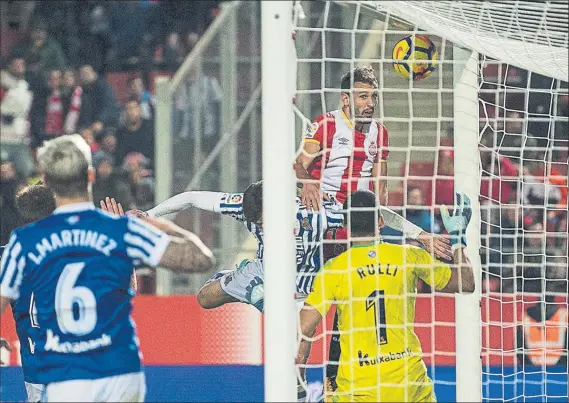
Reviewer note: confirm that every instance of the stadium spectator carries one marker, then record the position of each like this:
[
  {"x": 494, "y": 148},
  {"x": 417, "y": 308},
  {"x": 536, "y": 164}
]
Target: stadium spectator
[
  {"x": 15, "y": 110},
  {"x": 108, "y": 182},
  {"x": 108, "y": 142},
  {"x": 98, "y": 38},
  {"x": 173, "y": 52},
  {"x": 136, "y": 134},
  {"x": 444, "y": 189},
  {"x": 140, "y": 181},
  {"x": 138, "y": 90},
  {"x": 89, "y": 137},
  {"x": 46, "y": 114},
  {"x": 543, "y": 336},
  {"x": 72, "y": 99},
  {"x": 101, "y": 110},
  {"x": 10, "y": 184},
  {"x": 40, "y": 51}
]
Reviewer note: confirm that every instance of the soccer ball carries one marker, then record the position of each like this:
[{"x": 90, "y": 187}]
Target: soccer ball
[{"x": 415, "y": 60}]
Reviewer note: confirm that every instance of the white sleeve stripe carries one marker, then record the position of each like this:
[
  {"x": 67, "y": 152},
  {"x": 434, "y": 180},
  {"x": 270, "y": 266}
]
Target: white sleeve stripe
[
  {"x": 12, "y": 256},
  {"x": 137, "y": 241},
  {"x": 136, "y": 254},
  {"x": 143, "y": 232},
  {"x": 21, "y": 264},
  {"x": 153, "y": 257},
  {"x": 141, "y": 224}
]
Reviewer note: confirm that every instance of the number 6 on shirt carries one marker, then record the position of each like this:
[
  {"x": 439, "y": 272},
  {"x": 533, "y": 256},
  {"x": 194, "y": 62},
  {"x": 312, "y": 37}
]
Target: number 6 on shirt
[{"x": 66, "y": 295}]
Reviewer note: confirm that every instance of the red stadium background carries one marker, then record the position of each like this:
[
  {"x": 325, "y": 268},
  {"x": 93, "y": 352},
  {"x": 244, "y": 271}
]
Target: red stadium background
[{"x": 174, "y": 330}]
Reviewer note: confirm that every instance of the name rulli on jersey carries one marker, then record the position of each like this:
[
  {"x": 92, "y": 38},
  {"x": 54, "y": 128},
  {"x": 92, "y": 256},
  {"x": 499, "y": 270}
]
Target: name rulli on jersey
[{"x": 377, "y": 269}]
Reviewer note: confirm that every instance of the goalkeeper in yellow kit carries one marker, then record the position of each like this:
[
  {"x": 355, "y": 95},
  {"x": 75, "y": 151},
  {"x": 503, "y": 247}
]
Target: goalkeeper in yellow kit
[{"x": 373, "y": 285}]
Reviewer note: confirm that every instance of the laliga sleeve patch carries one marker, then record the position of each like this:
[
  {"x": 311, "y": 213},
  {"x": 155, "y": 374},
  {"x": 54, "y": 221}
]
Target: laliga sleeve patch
[
  {"x": 235, "y": 199},
  {"x": 312, "y": 129}
]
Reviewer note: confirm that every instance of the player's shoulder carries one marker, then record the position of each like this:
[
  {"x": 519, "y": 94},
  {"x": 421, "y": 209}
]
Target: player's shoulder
[
  {"x": 415, "y": 253},
  {"x": 327, "y": 117}
]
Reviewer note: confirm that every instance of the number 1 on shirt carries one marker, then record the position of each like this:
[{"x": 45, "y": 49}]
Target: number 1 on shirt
[{"x": 376, "y": 301}]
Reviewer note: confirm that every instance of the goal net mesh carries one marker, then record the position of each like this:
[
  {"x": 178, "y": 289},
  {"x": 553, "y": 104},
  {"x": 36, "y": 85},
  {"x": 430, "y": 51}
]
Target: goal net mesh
[{"x": 523, "y": 143}]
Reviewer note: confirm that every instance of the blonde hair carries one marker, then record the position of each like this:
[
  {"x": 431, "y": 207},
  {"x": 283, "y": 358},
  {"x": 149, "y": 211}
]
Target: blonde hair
[{"x": 65, "y": 163}]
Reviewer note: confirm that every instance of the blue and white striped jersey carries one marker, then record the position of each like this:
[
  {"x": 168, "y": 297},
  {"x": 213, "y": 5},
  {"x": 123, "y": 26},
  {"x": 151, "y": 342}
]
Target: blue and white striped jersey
[
  {"x": 78, "y": 264},
  {"x": 309, "y": 229},
  {"x": 231, "y": 204},
  {"x": 21, "y": 312}
]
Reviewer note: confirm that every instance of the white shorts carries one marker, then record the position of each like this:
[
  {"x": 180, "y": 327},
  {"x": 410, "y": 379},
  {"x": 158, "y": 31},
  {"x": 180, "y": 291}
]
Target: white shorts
[
  {"x": 245, "y": 283},
  {"x": 120, "y": 388},
  {"x": 35, "y": 392}
]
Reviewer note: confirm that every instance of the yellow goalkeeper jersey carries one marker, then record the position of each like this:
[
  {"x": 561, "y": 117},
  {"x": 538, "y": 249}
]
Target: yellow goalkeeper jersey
[{"x": 374, "y": 288}]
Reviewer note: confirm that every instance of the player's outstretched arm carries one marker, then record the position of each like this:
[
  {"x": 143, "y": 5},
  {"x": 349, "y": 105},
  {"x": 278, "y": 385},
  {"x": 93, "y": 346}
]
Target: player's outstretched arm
[
  {"x": 462, "y": 276},
  {"x": 208, "y": 201},
  {"x": 310, "y": 193},
  {"x": 309, "y": 319},
  {"x": 185, "y": 252},
  {"x": 436, "y": 244}
]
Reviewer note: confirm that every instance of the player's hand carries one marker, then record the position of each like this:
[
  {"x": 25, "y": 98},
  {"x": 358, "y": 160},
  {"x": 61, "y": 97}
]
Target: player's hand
[
  {"x": 110, "y": 205},
  {"x": 311, "y": 196},
  {"x": 439, "y": 245},
  {"x": 457, "y": 223},
  {"x": 137, "y": 213},
  {"x": 4, "y": 344}
]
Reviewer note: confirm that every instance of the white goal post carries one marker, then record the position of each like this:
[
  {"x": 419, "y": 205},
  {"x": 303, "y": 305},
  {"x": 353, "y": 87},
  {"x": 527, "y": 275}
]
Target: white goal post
[{"x": 531, "y": 35}]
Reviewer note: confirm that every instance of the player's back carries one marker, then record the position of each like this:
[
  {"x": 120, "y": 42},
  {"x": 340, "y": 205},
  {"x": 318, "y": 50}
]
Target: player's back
[
  {"x": 78, "y": 263},
  {"x": 376, "y": 306}
]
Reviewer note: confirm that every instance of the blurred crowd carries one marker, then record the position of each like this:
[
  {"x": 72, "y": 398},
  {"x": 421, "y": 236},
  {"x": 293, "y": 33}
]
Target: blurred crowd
[
  {"x": 53, "y": 82},
  {"x": 56, "y": 60}
]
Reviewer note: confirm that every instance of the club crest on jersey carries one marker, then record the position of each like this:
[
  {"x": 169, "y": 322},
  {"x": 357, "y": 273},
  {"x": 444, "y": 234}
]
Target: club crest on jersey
[
  {"x": 312, "y": 130},
  {"x": 372, "y": 254},
  {"x": 373, "y": 149},
  {"x": 235, "y": 199},
  {"x": 74, "y": 219},
  {"x": 306, "y": 224}
]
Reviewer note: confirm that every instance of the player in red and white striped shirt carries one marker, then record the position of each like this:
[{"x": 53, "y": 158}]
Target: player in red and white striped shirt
[{"x": 341, "y": 154}]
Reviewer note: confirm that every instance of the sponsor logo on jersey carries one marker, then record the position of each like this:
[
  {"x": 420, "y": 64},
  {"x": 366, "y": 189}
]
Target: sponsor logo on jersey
[
  {"x": 312, "y": 130},
  {"x": 364, "y": 359},
  {"x": 53, "y": 344},
  {"x": 74, "y": 219},
  {"x": 373, "y": 149},
  {"x": 372, "y": 254},
  {"x": 342, "y": 141},
  {"x": 235, "y": 199}
]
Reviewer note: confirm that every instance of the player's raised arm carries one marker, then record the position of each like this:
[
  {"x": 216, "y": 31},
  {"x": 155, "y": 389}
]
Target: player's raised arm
[
  {"x": 209, "y": 201},
  {"x": 436, "y": 244},
  {"x": 165, "y": 244},
  {"x": 462, "y": 276}
]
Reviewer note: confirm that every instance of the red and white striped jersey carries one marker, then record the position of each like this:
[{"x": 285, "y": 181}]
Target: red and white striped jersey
[{"x": 347, "y": 156}]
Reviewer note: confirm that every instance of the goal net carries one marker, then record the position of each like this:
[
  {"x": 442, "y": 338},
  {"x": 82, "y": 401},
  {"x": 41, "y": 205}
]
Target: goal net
[{"x": 497, "y": 128}]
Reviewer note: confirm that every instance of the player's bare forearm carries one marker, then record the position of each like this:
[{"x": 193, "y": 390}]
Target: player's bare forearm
[
  {"x": 187, "y": 254},
  {"x": 462, "y": 276},
  {"x": 379, "y": 174},
  {"x": 302, "y": 356},
  {"x": 186, "y": 251},
  {"x": 302, "y": 174}
]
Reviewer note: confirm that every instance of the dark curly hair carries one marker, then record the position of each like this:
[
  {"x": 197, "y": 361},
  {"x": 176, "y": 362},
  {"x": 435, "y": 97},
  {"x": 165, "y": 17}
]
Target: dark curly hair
[
  {"x": 34, "y": 202},
  {"x": 253, "y": 202},
  {"x": 361, "y": 74}
]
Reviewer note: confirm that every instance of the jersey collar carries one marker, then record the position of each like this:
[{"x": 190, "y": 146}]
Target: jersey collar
[{"x": 74, "y": 208}]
